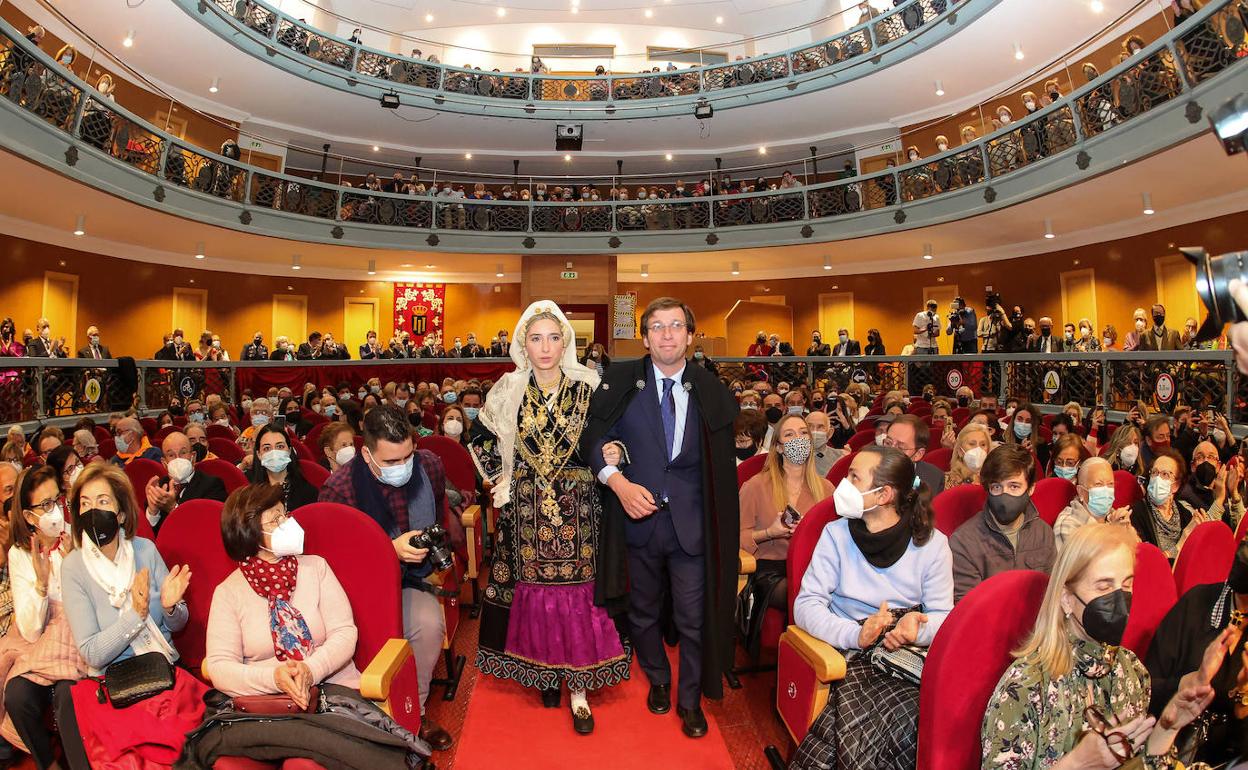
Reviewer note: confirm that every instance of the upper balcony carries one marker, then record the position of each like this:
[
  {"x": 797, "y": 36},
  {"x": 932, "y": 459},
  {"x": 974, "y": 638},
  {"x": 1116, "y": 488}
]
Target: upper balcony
[{"x": 1153, "y": 101}]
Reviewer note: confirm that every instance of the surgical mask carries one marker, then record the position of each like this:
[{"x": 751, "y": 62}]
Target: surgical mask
[
  {"x": 345, "y": 455},
  {"x": 361, "y": 394},
  {"x": 1106, "y": 342},
  {"x": 95, "y": 339},
  {"x": 246, "y": 405},
  {"x": 471, "y": 412},
  {"x": 1063, "y": 472},
  {"x": 1022, "y": 429},
  {"x": 849, "y": 500},
  {"x": 397, "y": 475},
  {"x": 450, "y": 396},
  {"x": 123, "y": 446},
  {"x": 797, "y": 450},
  {"x": 974, "y": 458},
  {"x": 1100, "y": 501},
  {"x": 331, "y": 410},
  {"x": 879, "y": 439},
  {"x": 223, "y": 421},
  {"x": 196, "y": 417},
  {"x": 1070, "y": 336},
  {"x": 180, "y": 470},
  {"x": 1129, "y": 454},
  {"x": 287, "y": 539},
  {"x": 698, "y": 354},
  {"x": 1006, "y": 508},
  {"x": 400, "y": 402},
  {"x": 52, "y": 523},
  {"x": 819, "y": 438},
  {"x": 1104, "y": 618},
  {"x": 1159, "y": 490},
  {"x": 795, "y": 410},
  {"x": 453, "y": 428},
  {"x": 843, "y": 338},
  {"x": 1085, "y": 332},
  {"x": 942, "y": 146},
  {"x": 45, "y": 333},
  {"x": 376, "y": 389},
  {"x": 1029, "y": 104},
  {"x": 101, "y": 526},
  {"x": 748, "y": 407},
  {"x": 74, "y": 474},
  {"x": 259, "y": 420},
  {"x": 275, "y": 460}
]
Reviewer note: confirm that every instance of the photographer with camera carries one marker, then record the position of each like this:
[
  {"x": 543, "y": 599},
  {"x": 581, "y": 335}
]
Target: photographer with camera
[
  {"x": 926, "y": 330},
  {"x": 962, "y": 327},
  {"x": 407, "y": 499}
]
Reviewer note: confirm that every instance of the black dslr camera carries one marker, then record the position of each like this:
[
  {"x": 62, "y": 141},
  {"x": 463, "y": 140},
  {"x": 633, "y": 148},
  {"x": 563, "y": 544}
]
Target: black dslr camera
[
  {"x": 1213, "y": 279},
  {"x": 437, "y": 541},
  {"x": 992, "y": 301}
]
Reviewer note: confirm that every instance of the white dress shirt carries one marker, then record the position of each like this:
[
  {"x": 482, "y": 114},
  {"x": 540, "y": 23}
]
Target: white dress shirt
[
  {"x": 681, "y": 398},
  {"x": 30, "y": 610}
]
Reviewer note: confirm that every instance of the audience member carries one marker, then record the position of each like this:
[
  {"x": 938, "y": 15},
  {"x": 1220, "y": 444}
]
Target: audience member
[
  {"x": 93, "y": 348},
  {"x": 1159, "y": 337},
  {"x": 180, "y": 483},
  {"x": 875, "y": 344},
  {"x": 1159, "y": 518},
  {"x": 1066, "y": 455},
  {"x": 963, "y": 327},
  {"x": 255, "y": 350},
  {"x": 1214, "y": 487},
  {"x": 825, "y": 454},
  {"x": 926, "y": 330},
  {"x": 1123, "y": 450},
  {"x": 337, "y": 444},
  {"x": 909, "y": 435},
  {"x": 274, "y": 463},
  {"x": 67, "y": 464},
  {"x": 1093, "y": 501},
  {"x": 43, "y": 345},
  {"x": 132, "y": 443},
  {"x": 970, "y": 449},
  {"x": 749, "y": 427}
]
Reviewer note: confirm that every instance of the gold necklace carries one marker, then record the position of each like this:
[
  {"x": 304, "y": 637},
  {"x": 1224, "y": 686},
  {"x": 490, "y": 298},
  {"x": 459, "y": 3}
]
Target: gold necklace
[{"x": 554, "y": 447}]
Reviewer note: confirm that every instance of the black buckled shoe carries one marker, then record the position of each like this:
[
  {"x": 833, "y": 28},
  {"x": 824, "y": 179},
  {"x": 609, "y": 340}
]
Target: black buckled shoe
[
  {"x": 582, "y": 720},
  {"x": 692, "y": 721},
  {"x": 550, "y": 698},
  {"x": 660, "y": 699}
]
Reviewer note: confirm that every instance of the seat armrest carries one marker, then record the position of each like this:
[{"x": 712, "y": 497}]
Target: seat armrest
[
  {"x": 827, "y": 662},
  {"x": 746, "y": 563},
  {"x": 375, "y": 680},
  {"x": 471, "y": 516}
]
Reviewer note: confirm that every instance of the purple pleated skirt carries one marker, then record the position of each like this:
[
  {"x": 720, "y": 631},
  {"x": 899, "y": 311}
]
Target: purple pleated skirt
[{"x": 559, "y": 626}]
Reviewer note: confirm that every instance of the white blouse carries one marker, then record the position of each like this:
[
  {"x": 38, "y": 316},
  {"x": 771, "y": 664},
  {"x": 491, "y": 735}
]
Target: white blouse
[{"x": 30, "y": 610}]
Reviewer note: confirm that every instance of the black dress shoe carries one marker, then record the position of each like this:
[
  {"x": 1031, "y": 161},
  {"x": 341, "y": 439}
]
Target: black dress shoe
[
  {"x": 582, "y": 721},
  {"x": 437, "y": 738},
  {"x": 660, "y": 699},
  {"x": 550, "y": 698},
  {"x": 692, "y": 721}
]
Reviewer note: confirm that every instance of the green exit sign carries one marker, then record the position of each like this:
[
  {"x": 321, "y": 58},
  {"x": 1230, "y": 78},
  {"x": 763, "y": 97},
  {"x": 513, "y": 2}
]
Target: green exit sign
[{"x": 568, "y": 275}]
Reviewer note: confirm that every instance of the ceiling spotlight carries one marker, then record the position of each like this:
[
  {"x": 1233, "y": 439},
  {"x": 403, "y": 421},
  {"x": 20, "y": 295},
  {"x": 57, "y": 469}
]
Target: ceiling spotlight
[
  {"x": 376, "y": 148},
  {"x": 667, "y": 156},
  {"x": 128, "y": 40},
  {"x": 940, "y": 88},
  {"x": 216, "y": 86},
  {"x": 645, "y": 271},
  {"x": 500, "y": 12},
  {"x": 649, "y": 14},
  {"x": 428, "y": 17},
  {"x": 294, "y": 262},
  {"x": 736, "y": 268},
  {"x": 927, "y": 251},
  {"x": 80, "y": 226},
  {"x": 1097, "y": 6},
  {"x": 467, "y": 156},
  {"x": 1048, "y": 229},
  {"x": 499, "y": 272},
  {"x": 762, "y": 150},
  {"x": 372, "y": 267},
  {"x": 719, "y": 19},
  {"x": 1148, "y": 205},
  {"x": 1018, "y": 51},
  {"x": 567, "y": 158},
  {"x": 827, "y": 263},
  {"x": 427, "y": 267},
  {"x": 199, "y": 250},
  {"x": 575, "y": 9}
]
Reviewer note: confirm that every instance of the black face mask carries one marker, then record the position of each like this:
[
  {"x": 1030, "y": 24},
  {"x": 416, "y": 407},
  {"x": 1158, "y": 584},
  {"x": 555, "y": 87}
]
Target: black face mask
[
  {"x": 1205, "y": 473},
  {"x": 964, "y": 400},
  {"x": 760, "y": 340},
  {"x": 100, "y": 525},
  {"x": 1238, "y": 578},
  {"x": 1006, "y": 508},
  {"x": 745, "y": 452},
  {"x": 816, "y": 404},
  {"x": 200, "y": 452},
  {"x": 1105, "y": 617},
  {"x": 1045, "y": 331},
  {"x": 1159, "y": 320},
  {"x": 774, "y": 413}
]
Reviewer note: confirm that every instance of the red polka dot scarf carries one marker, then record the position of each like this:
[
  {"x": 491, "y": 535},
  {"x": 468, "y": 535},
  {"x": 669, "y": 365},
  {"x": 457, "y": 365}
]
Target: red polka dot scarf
[{"x": 276, "y": 582}]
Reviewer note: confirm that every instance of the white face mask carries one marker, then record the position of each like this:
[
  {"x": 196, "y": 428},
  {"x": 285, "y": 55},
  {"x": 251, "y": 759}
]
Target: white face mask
[
  {"x": 52, "y": 523},
  {"x": 1139, "y": 325},
  {"x": 820, "y": 438},
  {"x": 180, "y": 470},
  {"x": 287, "y": 539},
  {"x": 74, "y": 474},
  {"x": 1129, "y": 454},
  {"x": 849, "y": 500},
  {"x": 453, "y": 428},
  {"x": 345, "y": 455},
  {"x": 974, "y": 458},
  {"x": 942, "y": 147}
]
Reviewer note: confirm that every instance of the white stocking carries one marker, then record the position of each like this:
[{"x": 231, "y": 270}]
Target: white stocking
[{"x": 577, "y": 700}]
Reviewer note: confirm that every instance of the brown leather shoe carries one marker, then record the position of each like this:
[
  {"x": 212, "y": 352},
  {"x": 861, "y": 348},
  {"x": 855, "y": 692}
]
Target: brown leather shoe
[{"x": 437, "y": 738}]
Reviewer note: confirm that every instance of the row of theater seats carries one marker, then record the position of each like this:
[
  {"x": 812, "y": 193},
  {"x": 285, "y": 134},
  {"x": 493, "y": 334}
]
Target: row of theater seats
[{"x": 973, "y": 647}]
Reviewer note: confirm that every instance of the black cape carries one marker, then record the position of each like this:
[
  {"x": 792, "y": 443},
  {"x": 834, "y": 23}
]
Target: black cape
[{"x": 721, "y": 522}]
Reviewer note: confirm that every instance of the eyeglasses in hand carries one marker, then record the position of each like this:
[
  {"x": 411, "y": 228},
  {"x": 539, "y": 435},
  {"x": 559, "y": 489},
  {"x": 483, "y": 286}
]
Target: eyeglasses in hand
[{"x": 1118, "y": 743}]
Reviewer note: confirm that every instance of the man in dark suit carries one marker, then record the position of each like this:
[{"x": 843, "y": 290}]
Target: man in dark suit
[
  {"x": 332, "y": 351},
  {"x": 845, "y": 346},
  {"x": 180, "y": 483},
  {"x": 310, "y": 349},
  {"x": 370, "y": 350},
  {"x": 499, "y": 347},
  {"x": 42, "y": 345},
  {"x": 256, "y": 350},
  {"x": 1159, "y": 337},
  {"x": 671, "y": 522},
  {"x": 94, "y": 349},
  {"x": 910, "y": 435},
  {"x": 473, "y": 349}
]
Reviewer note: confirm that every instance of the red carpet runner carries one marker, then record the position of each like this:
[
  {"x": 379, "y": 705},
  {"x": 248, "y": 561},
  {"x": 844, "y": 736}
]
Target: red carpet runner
[{"x": 507, "y": 727}]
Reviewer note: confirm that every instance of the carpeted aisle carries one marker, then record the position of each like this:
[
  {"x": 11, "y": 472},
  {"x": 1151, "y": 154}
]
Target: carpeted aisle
[{"x": 506, "y": 726}]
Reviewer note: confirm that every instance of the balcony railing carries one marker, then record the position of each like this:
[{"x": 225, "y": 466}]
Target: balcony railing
[
  {"x": 308, "y": 46},
  {"x": 1200, "y": 51}
]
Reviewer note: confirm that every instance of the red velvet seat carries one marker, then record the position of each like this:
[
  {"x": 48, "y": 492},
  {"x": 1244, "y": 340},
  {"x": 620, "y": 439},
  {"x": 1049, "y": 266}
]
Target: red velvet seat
[
  {"x": 1206, "y": 556},
  {"x": 101, "y": 433},
  {"x": 960, "y": 415},
  {"x": 940, "y": 457},
  {"x": 840, "y": 468},
  {"x": 139, "y": 471},
  {"x": 163, "y": 434},
  {"x": 220, "y": 431},
  {"x": 956, "y": 505},
  {"x": 861, "y": 438},
  {"x": 226, "y": 449},
  {"x": 313, "y": 439},
  {"x": 1051, "y": 496},
  {"x": 362, "y": 558},
  {"x": 313, "y": 472},
  {"x": 107, "y": 447},
  {"x": 1126, "y": 489},
  {"x": 966, "y": 660},
  {"x": 1152, "y": 597},
  {"x": 192, "y": 536},
  {"x": 229, "y": 474},
  {"x": 749, "y": 468},
  {"x": 179, "y": 421},
  {"x": 805, "y": 666},
  {"x": 150, "y": 426}
]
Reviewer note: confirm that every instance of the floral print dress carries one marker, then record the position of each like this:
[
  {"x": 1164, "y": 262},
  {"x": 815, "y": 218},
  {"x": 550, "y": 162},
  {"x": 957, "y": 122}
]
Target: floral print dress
[{"x": 1033, "y": 721}]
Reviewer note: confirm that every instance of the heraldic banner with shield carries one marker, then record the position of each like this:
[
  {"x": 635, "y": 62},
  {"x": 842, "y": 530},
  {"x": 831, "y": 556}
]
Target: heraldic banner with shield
[{"x": 420, "y": 309}]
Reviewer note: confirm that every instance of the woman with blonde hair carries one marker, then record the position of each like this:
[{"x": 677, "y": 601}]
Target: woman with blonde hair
[
  {"x": 788, "y": 483},
  {"x": 1074, "y": 697},
  {"x": 1123, "y": 449},
  {"x": 969, "y": 452}
]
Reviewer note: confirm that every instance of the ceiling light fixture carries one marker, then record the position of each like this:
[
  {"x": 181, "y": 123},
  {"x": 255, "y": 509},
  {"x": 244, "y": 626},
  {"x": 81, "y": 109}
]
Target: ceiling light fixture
[
  {"x": 294, "y": 262},
  {"x": 927, "y": 251},
  {"x": 575, "y": 9},
  {"x": 128, "y": 40},
  {"x": 649, "y": 14},
  {"x": 762, "y": 150},
  {"x": 645, "y": 271},
  {"x": 827, "y": 263},
  {"x": 199, "y": 250},
  {"x": 499, "y": 272},
  {"x": 667, "y": 156},
  {"x": 736, "y": 268},
  {"x": 567, "y": 158},
  {"x": 501, "y": 12},
  {"x": 376, "y": 148},
  {"x": 1148, "y": 205},
  {"x": 719, "y": 19},
  {"x": 427, "y": 267},
  {"x": 940, "y": 88},
  {"x": 1018, "y": 51},
  {"x": 1048, "y": 229},
  {"x": 1097, "y": 6},
  {"x": 428, "y": 17},
  {"x": 467, "y": 156},
  {"x": 216, "y": 86},
  {"x": 80, "y": 226},
  {"x": 372, "y": 267}
]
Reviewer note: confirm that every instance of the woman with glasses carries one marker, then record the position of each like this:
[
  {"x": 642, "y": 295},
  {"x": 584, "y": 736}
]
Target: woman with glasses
[
  {"x": 274, "y": 462},
  {"x": 1074, "y": 698},
  {"x": 1160, "y": 517}
]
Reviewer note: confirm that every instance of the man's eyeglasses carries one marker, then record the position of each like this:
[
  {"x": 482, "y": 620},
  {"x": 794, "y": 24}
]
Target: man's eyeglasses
[
  {"x": 657, "y": 327},
  {"x": 1118, "y": 743}
]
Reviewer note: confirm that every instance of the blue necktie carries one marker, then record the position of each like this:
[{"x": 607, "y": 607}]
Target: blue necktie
[{"x": 669, "y": 416}]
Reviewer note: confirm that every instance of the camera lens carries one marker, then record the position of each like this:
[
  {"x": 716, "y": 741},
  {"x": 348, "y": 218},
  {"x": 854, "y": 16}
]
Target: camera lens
[{"x": 1213, "y": 284}]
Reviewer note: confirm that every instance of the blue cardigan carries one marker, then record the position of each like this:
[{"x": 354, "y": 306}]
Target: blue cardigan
[{"x": 103, "y": 635}]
